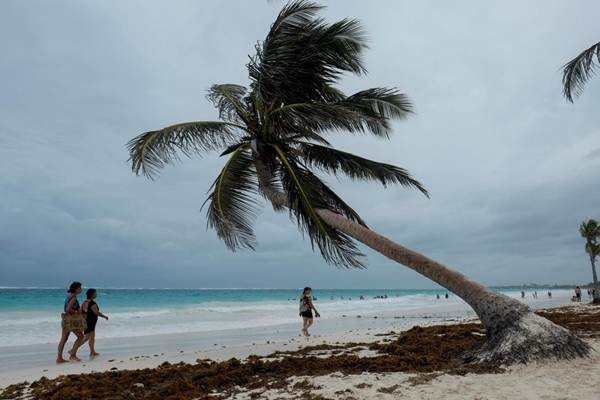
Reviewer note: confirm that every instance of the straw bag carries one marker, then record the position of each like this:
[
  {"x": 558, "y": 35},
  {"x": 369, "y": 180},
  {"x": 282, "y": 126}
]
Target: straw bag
[{"x": 74, "y": 322}]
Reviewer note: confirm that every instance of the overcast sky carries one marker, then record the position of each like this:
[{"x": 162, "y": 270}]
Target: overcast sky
[{"x": 511, "y": 166}]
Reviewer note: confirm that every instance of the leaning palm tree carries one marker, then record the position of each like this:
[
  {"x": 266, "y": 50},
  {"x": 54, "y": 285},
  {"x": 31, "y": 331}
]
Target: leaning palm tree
[
  {"x": 579, "y": 70},
  {"x": 274, "y": 135},
  {"x": 590, "y": 231}
]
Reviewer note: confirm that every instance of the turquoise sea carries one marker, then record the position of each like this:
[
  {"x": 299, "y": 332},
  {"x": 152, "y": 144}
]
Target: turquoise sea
[{"x": 32, "y": 315}]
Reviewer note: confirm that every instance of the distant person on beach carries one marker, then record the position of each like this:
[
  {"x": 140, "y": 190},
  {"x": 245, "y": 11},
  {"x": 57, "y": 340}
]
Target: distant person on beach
[
  {"x": 446, "y": 295},
  {"x": 72, "y": 321},
  {"x": 578, "y": 293},
  {"x": 437, "y": 296},
  {"x": 92, "y": 312},
  {"x": 306, "y": 307},
  {"x": 522, "y": 294},
  {"x": 549, "y": 294}
]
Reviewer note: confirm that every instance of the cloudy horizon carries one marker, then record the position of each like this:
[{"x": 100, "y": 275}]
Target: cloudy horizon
[{"x": 511, "y": 166}]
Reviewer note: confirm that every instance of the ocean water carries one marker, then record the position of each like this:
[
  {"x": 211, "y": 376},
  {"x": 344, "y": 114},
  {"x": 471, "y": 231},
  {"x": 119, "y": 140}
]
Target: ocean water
[{"x": 32, "y": 316}]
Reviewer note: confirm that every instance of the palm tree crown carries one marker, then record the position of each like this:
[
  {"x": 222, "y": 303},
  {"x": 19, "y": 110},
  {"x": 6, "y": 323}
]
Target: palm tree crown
[
  {"x": 590, "y": 231},
  {"x": 279, "y": 125}
]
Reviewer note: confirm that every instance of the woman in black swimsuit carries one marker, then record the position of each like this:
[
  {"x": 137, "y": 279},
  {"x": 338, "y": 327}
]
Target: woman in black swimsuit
[
  {"x": 306, "y": 307},
  {"x": 91, "y": 312}
]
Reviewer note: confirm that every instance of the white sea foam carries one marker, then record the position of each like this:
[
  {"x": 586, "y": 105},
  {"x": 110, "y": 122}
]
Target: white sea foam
[{"x": 29, "y": 327}]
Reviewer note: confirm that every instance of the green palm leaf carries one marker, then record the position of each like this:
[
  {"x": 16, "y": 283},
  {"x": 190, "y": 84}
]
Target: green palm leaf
[
  {"x": 333, "y": 201},
  {"x": 151, "y": 151},
  {"x": 335, "y": 161},
  {"x": 335, "y": 247},
  {"x": 232, "y": 204},
  {"x": 593, "y": 249},
  {"x": 302, "y": 56},
  {"x": 229, "y": 100},
  {"x": 370, "y": 110},
  {"x": 579, "y": 70}
]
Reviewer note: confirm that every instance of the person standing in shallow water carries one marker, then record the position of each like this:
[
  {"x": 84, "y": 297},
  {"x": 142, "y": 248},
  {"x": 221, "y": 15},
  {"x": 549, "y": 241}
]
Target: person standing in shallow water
[
  {"x": 306, "y": 308},
  {"x": 71, "y": 322}
]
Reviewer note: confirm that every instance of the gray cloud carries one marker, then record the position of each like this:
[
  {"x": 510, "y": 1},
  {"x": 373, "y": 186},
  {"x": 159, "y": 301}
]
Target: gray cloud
[{"x": 512, "y": 167}]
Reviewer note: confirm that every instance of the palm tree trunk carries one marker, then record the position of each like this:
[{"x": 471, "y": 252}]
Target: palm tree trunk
[
  {"x": 514, "y": 332},
  {"x": 596, "y": 298}
]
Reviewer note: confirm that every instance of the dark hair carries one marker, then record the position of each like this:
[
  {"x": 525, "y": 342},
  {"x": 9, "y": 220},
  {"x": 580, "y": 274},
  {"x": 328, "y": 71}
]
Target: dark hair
[
  {"x": 74, "y": 286},
  {"x": 306, "y": 289},
  {"x": 90, "y": 293}
]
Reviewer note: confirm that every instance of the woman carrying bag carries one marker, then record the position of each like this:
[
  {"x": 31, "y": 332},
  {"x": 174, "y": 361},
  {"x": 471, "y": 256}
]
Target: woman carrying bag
[{"x": 72, "y": 321}]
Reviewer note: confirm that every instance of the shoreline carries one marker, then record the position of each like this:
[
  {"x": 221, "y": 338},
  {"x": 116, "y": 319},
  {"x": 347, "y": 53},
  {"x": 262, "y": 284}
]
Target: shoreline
[
  {"x": 31, "y": 362},
  {"x": 151, "y": 351},
  {"x": 418, "y": 363}
]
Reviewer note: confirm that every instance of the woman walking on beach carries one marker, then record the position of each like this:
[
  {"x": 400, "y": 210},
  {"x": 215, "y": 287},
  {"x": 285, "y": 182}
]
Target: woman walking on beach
[
  {"x": 92, "y": 312},
  {"x": 306, "y": 307},
  {"x": 72, "y": 321}
]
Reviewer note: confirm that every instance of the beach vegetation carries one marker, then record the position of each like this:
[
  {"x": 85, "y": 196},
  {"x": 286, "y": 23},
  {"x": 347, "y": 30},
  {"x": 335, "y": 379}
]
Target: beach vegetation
[{"x": 590, "y": 231}]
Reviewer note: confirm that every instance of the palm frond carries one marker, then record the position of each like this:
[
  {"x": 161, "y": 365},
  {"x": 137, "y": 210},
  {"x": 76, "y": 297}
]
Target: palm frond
[
  {"x": 370, "y": 110},
  {"x": 336, "y": 161},
  {"x": 234, "y": 147},
  {"x": 593, "y": 249},
  {"x": 294, "y": 14},
  {"x": 269, "y": 171},
  {"x": 232, "y": 204},
  {"x": 302, "y": 134},
  {"x": 229, "y": 100},
  {"x": 302, "y": 56},
  {"x": 151, "y": 151},
  {"x": 382, "y": 105},
  {"x": 334, "y": 202},
  {"x": 579, "y": 70},
  {"x": 336, "y": 247}
]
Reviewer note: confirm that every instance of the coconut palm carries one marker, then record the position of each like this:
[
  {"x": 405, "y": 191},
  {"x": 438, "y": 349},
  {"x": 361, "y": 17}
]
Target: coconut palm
[
  {"x": 579, "y": 70},
  {"x": 590, "y": 231},
  {"x": 274, "y": 134}
]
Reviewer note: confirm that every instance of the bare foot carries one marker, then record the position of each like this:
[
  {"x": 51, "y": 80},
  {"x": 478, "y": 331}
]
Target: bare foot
[
  {"x": 73, "y": 358},
  {"x": 94, "y": 354},
  {"x": 304, "y": 332},
  {"x": 60, "y": 360}
]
